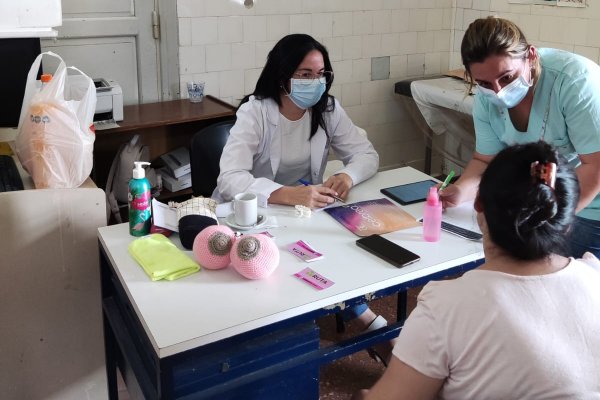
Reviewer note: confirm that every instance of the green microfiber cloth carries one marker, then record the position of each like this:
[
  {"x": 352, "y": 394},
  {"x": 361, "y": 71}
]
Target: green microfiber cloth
[{"x": 161, "y": 259}]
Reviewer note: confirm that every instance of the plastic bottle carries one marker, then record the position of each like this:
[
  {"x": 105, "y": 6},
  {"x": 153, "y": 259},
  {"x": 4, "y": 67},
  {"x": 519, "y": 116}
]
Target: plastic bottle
[
  {"x": 432, "y": 216},
  {"x": 140, "y": 208}
]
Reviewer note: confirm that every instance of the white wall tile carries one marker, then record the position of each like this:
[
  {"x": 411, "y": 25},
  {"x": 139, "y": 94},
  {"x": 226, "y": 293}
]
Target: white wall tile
[
  {"x": 204, "y": 30},
  {"x": 441, "y": 41},
  {"x": 415, "y": 65},
  {"x": 192, "y": 59},
  {"x": 589, "y": 52},
  {"x": 219, "y": 8},
  {"x": 372, "y": 4},
  {"x": 322, "y": 24},
  {"x": 185, "y": 32},
  {"x": 433, "y": 64},
  {"x": 435, "y": 19},
  {"x": 301, "y": 23},
  {"x": 262, "y": 51},
  {"x": 417, "y": 20},
  {"x": 254, "y": 28},
  {"x": 359, "y": 115},
  {"x": 382, "y": 21},
  {"x": 352, "y": 47},
  {"x": 342, "y": 71},
  {"x": 371, "y": 46},
  {"x": 361, "y": 70},
  {"x": 277, "y": 26},
  {"x": 464, "y": 3},
  {"x": 243, "y": 55},
  {"x": 230, "y": 29},
  {"x": 218, "y": 57},
  {"x": 231, "y": 84},
  {"x": 408, "y": 43},
  {"x": 342, "y": 24},
  {"x": 483, "y": 5},
  {"x": 250, "y": 79},
  {"x": 190, "y": 8},
  {"x": 390, "y": 44},
  {"x": 400, "y": 20},
  {"x": 335, "y": 47},
  {"x": 398, "y": 67},
  {"x": 351, "y": 94},
  {"x": 353, "y": 5},
  {"x": 362, "y": 23}
]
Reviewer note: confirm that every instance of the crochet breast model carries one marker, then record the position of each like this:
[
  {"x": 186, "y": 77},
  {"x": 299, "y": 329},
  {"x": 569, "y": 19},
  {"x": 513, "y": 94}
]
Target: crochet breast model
[
  {"x": 212, "y": 246},
  {"x": 255, "y": 256}
]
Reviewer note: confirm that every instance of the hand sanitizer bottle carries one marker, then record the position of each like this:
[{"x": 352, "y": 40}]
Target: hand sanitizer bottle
[
  {"x": 140, "y": 208},
  {"x": 432, "y": 216}
]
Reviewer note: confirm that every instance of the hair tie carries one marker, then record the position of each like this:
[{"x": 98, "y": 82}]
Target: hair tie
[{"x": 544, "y": 173}]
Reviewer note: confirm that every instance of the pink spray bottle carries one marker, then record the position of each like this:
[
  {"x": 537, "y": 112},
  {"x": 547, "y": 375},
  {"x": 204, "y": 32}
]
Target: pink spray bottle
[{"x": 432, "y": 216}]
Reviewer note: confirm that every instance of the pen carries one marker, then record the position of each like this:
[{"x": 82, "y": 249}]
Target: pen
[
  {"x": 447, "y": 180},
  {"x": 305, "y": 183}
]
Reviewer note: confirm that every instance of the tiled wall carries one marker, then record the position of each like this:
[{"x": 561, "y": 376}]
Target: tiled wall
[
  {"x": 225, "y": 44},
  {"x": 573, "y": 29}
]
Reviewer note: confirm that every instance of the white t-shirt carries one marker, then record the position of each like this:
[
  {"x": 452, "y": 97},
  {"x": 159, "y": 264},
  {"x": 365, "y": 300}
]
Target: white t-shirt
[
  {"x": 295, "y": 151},
  {"x": 493, "y": 335}
]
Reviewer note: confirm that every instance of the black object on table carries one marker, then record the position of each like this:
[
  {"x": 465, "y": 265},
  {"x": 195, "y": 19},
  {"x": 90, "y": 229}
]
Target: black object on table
[{"x": 10, "y": 179}]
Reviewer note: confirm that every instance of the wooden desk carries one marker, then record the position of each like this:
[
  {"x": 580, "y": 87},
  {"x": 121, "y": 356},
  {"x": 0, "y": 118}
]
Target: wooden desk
[
  {"x": 215, "y": 334},
  {"x": 162, "y": 126}
]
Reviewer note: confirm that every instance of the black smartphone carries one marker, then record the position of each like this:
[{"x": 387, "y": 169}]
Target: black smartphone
[
  {"x": 410, "y": 192},
  {"x": 388, "y": 250}
]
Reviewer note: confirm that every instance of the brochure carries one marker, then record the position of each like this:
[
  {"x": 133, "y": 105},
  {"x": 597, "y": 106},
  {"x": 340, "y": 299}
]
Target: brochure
[{"x": 369, "y": 217}]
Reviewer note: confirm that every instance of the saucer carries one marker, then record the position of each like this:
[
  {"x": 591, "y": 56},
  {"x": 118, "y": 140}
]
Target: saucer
[{"x": 230, "y": 220}]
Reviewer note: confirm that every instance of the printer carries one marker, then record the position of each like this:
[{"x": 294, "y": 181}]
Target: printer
[{"x": 109, "y": 100}]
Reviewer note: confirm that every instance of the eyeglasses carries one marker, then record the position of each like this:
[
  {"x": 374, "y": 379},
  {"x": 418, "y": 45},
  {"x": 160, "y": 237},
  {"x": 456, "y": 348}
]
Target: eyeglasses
[{"x": 327, "y": 75}]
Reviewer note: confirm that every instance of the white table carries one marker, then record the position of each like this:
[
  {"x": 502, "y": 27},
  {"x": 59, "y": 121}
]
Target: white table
[{"x": 211, "y": 307}]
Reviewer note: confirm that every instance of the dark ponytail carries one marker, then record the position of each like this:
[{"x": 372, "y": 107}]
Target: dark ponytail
[{"x": 525, "y": 216}]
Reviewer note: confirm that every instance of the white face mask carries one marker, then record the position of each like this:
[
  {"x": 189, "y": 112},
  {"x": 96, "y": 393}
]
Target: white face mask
[{"x": 510, "y": 95}]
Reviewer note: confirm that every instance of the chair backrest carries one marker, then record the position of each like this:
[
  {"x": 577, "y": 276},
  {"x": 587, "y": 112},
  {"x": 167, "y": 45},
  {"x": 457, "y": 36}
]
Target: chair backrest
[{"x": 206, "y": 149}]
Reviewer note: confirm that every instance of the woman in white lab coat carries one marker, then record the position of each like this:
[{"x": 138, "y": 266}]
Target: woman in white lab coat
[{"x": 279, "y": 144}]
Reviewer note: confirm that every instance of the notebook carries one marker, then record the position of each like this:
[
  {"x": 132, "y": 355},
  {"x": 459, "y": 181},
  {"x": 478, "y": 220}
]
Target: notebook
[{"x": 369, "y": 217}]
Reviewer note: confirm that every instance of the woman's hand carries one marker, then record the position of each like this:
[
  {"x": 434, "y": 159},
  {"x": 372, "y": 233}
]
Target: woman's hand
[
  {"x": 340, "y": 183},
  {"x": 313, "y": 196},
  {"x": 451, "y": 196}
]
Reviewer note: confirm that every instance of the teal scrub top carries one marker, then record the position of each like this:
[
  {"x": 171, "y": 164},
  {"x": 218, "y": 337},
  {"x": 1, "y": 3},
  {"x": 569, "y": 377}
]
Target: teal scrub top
[{"x": 567, "y": 95}]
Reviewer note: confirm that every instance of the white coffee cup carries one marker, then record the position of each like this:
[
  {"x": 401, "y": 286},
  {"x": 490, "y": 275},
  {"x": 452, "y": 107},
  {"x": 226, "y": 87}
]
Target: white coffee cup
[{"x": 245, "y": 209}]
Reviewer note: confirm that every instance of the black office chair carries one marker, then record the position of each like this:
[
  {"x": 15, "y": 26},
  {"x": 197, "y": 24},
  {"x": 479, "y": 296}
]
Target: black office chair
[{"x": 206, "y": 149}]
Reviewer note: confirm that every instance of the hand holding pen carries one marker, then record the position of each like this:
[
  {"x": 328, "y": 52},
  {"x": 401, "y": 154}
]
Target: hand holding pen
[
  {"x": 332, "y": 195},
  {"x": 449, "y": 194}
]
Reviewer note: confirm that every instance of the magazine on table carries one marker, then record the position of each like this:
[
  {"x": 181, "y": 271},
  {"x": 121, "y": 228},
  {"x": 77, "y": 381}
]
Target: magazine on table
[{"x": 369, "y": 217}]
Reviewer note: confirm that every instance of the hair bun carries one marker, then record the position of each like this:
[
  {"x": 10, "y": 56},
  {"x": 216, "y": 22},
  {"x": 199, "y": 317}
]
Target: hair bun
[
  {"x": 255, "y": 256},
  {"x": 212, "y": 246}
]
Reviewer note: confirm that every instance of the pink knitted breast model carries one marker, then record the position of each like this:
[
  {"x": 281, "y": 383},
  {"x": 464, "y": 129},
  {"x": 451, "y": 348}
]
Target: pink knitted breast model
[
  {"x": 255, "y": 256},
  {"x": 212, "y": 246}
]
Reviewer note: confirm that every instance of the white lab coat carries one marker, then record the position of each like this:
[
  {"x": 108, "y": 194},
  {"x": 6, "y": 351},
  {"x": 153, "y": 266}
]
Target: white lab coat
[{"x": 252, "y": 154}]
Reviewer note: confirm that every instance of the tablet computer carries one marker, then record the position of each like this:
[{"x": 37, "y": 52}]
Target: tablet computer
[{"x": 409, "y": 193}]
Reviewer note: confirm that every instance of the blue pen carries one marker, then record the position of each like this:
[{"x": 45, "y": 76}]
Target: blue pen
[{"x": 305, "y": 183}]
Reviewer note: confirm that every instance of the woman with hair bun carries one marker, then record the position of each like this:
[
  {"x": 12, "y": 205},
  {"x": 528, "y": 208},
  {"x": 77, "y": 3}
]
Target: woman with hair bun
[{"x": 524, "y": 325}]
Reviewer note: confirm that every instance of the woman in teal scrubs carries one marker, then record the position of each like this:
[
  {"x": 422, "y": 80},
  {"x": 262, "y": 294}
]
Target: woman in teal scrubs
[{"x": 525, "y": 94}]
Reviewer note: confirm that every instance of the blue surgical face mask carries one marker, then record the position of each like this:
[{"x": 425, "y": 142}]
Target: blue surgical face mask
[
  {"x": 305, "y": 93},
  {"x": 510, "y": 95}
]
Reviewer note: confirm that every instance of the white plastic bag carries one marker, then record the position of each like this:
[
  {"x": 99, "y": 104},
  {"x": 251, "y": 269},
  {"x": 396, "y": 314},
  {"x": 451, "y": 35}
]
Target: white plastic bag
[{"x": 55, "y": 141}]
